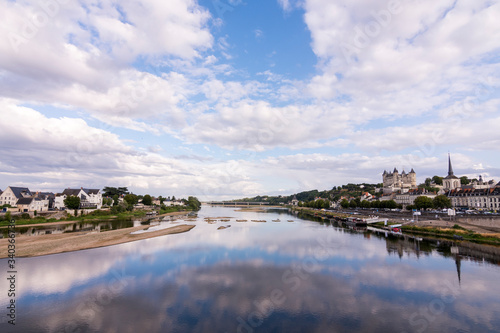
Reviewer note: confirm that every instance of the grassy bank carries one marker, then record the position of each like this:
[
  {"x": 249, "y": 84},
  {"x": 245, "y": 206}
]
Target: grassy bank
[
  {"x": 449, "y": 233},
  {"x": 95, "y": 215}
]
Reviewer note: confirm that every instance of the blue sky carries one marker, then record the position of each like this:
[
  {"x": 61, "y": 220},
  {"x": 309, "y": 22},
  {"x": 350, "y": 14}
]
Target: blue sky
[{"x": 232, "y": 98}]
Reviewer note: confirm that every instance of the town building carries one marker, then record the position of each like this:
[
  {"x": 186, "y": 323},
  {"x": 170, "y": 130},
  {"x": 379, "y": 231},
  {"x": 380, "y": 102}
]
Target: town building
[
  {"x": 32, "y": 204},
  {"x": 12, "y": 194},
  {"x": 408, "y": 198},
  {"x": 480, "y": 194},
  {"x": 89, "y": 198},
  {"x": 468, "y": 198}
]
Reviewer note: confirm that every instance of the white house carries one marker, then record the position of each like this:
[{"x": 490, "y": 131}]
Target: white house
[
  {"x": 12, "y": 194},
  {"x": 89, "y": 198},
  {"x": 33, "y": 204}
]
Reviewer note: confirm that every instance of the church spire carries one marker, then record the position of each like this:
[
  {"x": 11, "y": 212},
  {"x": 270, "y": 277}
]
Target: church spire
[{"x": 450, "y": 169}]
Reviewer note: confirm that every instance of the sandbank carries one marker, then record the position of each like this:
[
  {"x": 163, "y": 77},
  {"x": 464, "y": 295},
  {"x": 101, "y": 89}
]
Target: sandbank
[{"x": 52, "y": 244}]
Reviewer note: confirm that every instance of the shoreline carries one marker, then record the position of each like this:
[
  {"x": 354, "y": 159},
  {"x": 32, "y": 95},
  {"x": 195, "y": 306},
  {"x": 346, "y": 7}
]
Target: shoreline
[
  {"x": 54, "y": 244},
  {"x": 110, "y": 218},
  {"x": 439, "y": 228}
]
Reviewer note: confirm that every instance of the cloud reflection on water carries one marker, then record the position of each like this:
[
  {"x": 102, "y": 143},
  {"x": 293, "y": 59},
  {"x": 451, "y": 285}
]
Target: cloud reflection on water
[{"x": 208, "y": 280}]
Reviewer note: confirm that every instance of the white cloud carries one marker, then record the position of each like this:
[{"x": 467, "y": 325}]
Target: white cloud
[{"x": 80, "y": 56}]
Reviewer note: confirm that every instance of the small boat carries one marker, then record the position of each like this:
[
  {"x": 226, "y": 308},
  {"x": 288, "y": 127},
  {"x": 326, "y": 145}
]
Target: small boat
[
  {"x": 241, "y": 220},
  {"x": 290, "y": 220},
  {"x": 278, "y": 220}
]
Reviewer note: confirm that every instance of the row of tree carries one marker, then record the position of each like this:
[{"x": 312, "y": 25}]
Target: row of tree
[
  {"x": 423, "y": 202},
  {"x": 355, "y": 203}
]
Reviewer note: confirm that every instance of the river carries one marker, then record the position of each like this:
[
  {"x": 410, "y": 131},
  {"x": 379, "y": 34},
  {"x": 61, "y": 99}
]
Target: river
[{"x": 281, "y": 276}]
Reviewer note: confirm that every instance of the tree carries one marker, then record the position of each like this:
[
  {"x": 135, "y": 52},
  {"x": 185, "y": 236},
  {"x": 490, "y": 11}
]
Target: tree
[
  {"x": 388, "y": 204},
  {"x": 344, "y": 203},
  {"x": 423, "y": 202},
  {"x": 437, "y": 180},
  {"x": 162, "y": 199},
  {"x": 111, "y": 191},
  {"x": 173, "y": 198},
  {"x": 115, "y": 199},
  {"x": 107, "y": 201},
  {"x": 130, "y": 199},
  {"x": 428, "y": 182},
  {"x": 352, "y": 204},
  {"x": 375, "y": 204},
  {"x": 441, "y": 201},
  {"x": 365, "y": 204},
  {"x": 193, "y": 203},
  {"x": 464, "y": 180},
  {"x": 72, "y": 202},
  {"x": 147, "y": 200}
]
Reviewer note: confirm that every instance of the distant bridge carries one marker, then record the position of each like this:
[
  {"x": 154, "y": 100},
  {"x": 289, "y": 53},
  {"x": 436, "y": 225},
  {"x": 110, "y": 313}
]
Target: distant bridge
[{"x": 235, "y": 203}]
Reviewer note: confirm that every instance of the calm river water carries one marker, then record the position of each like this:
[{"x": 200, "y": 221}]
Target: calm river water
[{"x": 300, "y": 276}]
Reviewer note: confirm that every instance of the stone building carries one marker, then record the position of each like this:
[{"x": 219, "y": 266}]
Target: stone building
[
  {"x": 395, "y": 181},
  {"x": 408, "y": 198},
  {"x": 469, "y": 198}
]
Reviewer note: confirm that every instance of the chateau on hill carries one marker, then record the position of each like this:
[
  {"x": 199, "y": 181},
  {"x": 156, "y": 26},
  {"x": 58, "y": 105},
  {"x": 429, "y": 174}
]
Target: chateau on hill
[{"x": 395, "y": 181}]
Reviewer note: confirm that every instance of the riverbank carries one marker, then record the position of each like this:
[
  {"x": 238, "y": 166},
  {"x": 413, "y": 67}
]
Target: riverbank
[
  {"x": 482, "y": 234},
  {"x": 87, "y": 218},
  {"x": 52, "y": 244}
]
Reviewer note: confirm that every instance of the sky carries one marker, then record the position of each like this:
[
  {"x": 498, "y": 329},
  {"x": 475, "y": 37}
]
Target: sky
[{"x": 225, "y": 99}]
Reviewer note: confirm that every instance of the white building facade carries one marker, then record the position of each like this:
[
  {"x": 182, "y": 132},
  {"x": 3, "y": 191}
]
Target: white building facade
[
  {"x": 12, "y": 194},
  {"x": 89, "y": 198}
]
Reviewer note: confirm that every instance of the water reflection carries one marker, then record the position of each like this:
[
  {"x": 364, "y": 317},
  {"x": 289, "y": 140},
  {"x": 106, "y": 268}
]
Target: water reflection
[
  {"x": 263, "y": 277},
  {"x": 86, "y": 226}
]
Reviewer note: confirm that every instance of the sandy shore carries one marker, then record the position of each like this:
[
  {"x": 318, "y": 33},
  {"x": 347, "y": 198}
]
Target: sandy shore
[{"x": 51, "y": 244}]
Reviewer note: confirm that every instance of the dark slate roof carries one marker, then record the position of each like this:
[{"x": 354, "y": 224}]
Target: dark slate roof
[
  {"x": 71, "y": 192},
  {"x": 24, "y": 201},
  {"x": 18, "y": 190},
  {"x": 45, "y": 195}
]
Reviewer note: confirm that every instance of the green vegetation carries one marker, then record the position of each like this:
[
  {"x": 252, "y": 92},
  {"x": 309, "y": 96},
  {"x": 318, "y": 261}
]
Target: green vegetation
[
  {"x": 441, "y": 201},
  {"x": 449, "y": 233},
  {"x": 437, "y": 180},
  {"x": 193, "y": 203},
  {"x": 464, "y": 180},
  {"x": 349, "y": 190},
  {"x": 108, "y": 191},
  {"x": 423, "y": 202},
  {"x": 147, "y": 200},
  {"x": 320, "y": 203},
  {"x": 72, "y": 202}
]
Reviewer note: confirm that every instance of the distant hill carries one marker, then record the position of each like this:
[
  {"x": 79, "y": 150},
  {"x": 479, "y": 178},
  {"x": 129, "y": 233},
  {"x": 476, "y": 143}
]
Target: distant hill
[{"x": 352, "y": 190}]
